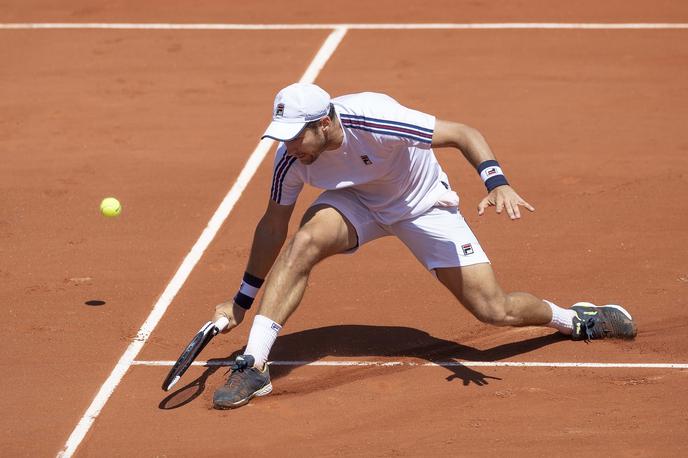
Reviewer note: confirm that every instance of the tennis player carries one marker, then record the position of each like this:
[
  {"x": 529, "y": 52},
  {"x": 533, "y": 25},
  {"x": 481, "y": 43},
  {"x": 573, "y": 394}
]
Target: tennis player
[{"x": 374, "y": 159}]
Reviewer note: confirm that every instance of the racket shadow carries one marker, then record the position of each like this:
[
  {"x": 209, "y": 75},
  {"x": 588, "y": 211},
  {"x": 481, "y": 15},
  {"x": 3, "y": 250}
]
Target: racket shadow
[{"x": 188, "y": 392}]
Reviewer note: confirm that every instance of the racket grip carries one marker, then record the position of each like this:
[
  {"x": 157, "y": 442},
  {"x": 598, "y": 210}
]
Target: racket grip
[{"x": 221, "y": 323}]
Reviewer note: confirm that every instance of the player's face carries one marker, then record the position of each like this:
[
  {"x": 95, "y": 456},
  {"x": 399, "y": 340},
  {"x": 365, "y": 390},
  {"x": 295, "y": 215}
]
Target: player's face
[{"x": 308, "y": 146}]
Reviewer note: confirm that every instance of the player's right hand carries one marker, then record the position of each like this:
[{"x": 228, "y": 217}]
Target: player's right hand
[{"x": 232, "y": 312}]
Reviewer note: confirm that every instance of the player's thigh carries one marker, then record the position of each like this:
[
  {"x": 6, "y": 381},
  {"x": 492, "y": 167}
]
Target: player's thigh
[
  {"x": 441, "y": 238},
  {"x": 442, "y": 241},
  {"x": 326, "y": 228},
  {"x": 342, "y": 208},
  {"x": 475, "y": 286}
]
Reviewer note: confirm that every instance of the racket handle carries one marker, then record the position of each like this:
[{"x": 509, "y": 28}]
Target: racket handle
[{"x": 221, "y": 323}]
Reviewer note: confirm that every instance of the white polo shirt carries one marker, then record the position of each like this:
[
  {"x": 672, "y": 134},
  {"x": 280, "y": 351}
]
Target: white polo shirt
[{"x": 386, "y": 158}]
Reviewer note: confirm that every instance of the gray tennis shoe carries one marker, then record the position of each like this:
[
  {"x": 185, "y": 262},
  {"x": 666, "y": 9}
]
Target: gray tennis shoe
[
  {"x": 604, "y": 322},
  {"x": 243, "y": 383}
]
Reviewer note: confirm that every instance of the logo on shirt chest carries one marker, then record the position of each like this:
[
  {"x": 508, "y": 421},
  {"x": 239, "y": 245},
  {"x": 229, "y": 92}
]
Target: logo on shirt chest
[{"x": 366, "y": 160}]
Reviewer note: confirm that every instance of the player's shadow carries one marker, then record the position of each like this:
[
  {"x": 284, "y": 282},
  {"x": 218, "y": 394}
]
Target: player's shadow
[{"x": 366, "y": 341}]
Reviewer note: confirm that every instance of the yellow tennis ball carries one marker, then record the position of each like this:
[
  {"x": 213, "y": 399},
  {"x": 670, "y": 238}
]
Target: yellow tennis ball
[{"x": 110, "y": 207}]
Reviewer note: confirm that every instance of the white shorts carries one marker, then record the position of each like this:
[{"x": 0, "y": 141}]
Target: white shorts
[{"x": 438, "y": 238}]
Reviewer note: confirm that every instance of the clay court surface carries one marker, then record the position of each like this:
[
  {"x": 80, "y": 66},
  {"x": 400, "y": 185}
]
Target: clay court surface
[{"x": 589, "y": 125}]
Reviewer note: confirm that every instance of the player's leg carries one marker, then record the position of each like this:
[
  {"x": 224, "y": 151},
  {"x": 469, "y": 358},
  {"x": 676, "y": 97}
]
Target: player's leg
[
  {"x": 444, "y": 243},
  {"x": 335, "y": 223},
  {"x": 476, "y": 287},
  {"x": 324, "y": 232}
]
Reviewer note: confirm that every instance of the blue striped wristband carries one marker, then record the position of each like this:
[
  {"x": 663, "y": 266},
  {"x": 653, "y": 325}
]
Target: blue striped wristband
[
  {"x": 248, "y": 291},
  {"x": 492, "y": 174}
]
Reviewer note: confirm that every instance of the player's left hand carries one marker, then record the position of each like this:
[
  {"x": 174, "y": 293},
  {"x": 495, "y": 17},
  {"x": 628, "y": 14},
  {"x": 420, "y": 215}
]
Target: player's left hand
[{"x": 504, "y": 197}]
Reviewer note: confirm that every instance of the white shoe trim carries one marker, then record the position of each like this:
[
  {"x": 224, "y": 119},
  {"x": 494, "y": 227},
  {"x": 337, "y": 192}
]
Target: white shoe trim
[
  {"x": 267, "y": 389},
  {"x": 620, "y": 309},
  {"x": 614, "y": 306}
]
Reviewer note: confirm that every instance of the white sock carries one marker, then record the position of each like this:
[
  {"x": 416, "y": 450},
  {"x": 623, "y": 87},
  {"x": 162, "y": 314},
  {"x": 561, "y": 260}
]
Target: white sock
[
  {"x": 263, "y": 334},
  {"x": 562, "y": 319}
]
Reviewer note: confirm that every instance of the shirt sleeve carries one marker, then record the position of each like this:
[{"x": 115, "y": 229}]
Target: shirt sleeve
[
  {"x": 412, "y": 127},
  {"x": 286, "y": 184},
  {"x": 391, "y": 121}
]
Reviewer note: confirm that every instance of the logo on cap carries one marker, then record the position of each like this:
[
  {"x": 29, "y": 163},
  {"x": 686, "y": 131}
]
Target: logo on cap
[{"x": 279, "y": 112}]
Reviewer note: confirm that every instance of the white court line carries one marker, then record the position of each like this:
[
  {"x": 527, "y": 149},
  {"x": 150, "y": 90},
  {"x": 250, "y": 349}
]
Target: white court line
[
  {"x": 190, "y": 261},
  {"x": 427, "y": 26},
  {"x": 435, "y": 364}
]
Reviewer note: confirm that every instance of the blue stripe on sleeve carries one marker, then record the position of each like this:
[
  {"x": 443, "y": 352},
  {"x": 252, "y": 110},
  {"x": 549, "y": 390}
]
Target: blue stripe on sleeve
[
  {"x": 278, "y": 173},
  {"x": 388, "y": 132},
  {"x": 397, "y": 123},
  {"x": 281, "y": 181}
]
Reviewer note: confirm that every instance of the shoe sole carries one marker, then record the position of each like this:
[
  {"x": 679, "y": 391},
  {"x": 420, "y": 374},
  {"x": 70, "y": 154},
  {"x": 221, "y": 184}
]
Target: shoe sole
[{"x": 267, "y": 389}]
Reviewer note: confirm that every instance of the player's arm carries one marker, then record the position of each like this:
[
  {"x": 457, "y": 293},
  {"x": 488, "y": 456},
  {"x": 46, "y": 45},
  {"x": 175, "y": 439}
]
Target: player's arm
[
  {"x": 268, "y": 238},
  {"x": 476, "y": 150},
  {"x": 270, "y": 234}
]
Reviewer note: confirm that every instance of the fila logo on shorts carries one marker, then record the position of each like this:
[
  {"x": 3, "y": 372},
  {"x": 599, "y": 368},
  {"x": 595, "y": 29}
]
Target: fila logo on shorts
[
  {"x": 366, "y": 160},
  {"x": 467, "y": 249}
]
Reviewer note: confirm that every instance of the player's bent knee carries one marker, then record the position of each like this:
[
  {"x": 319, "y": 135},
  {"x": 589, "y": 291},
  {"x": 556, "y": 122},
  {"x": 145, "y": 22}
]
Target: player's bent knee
[
  {"x": 490, "y": 312},
  {"x": 493, "y": 317},
  {"x": 303, "y": 251}
]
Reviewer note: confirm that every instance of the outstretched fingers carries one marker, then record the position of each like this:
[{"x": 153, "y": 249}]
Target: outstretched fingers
[
  {"x": 504, "y": 198},
  {"x": 484, "y": 203},
  {"x": 516, "y": 208},
  {"x": 499, "y": 204},
  {"x": 512, "y": 210},
  {"x": 527, "y": 205}
]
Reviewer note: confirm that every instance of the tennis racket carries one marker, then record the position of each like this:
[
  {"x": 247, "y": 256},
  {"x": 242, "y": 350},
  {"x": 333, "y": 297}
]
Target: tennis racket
[{"x": 198, "y": 343}]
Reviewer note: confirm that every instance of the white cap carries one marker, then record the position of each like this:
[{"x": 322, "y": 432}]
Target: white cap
[{"x": 296, "y": 105}]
